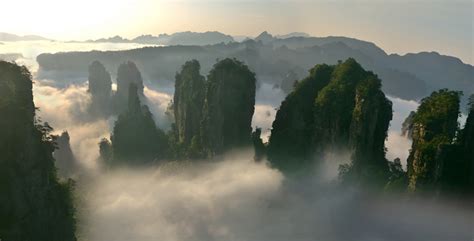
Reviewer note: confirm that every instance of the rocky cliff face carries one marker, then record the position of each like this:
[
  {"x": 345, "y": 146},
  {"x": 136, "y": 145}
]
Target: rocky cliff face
[
  {"x": 127, "y": 74},
  {"x": 229, "y": 107},
  {"x": 407, "y": 125},
  {"x": 213, "y": 116},
  {"x": 371, "y": 117},
  {"x": 66, "y": 163},
  {"x": 467, "y": 144},
  {"x": 258, "y": 146},
  {"x": 100, "y": 88},
  {"x": 135, "y": 138},
  {"x": 292, "y": 131},
  {"x": 434, "y": 128},
  {"x": 336, "y": 108},
  {"x": 188, "y": 104},
  {"x": 455, "y": 162},
  {"x": 33, "y": 204}
]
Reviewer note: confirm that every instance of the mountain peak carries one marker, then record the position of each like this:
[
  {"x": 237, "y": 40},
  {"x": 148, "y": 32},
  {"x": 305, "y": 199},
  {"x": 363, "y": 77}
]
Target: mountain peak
[{"x": 265, "y": 37}]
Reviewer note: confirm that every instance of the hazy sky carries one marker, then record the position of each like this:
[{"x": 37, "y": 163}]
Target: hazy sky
[{"x": 398, "y": 26}]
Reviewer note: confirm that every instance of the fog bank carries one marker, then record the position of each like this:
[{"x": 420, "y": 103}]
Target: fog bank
[{"x": 237, "y": 199}]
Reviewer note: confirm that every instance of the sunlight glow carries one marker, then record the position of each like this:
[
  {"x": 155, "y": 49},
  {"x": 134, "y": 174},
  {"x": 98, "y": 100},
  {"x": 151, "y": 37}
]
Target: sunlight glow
[
  {"x": 396, "y": 26},
  {"x": 67, "y": 19}
]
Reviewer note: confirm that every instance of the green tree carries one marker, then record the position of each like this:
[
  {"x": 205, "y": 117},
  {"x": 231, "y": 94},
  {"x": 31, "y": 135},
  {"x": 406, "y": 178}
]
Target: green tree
[
  {"x": 34, "y": 204},
  {"x": 135, "y": 138}
]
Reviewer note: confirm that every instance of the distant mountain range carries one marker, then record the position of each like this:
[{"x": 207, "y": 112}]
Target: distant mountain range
[
  {"x": 410, "y": 76},
  {"x": 12, "y": 37},
  {"x": 181, "y": 38},
  {"x": 194, "y": 38}
]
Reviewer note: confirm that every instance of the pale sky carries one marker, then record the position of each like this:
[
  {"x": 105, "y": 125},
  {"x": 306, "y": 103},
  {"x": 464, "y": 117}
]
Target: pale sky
[{"x": 398, "y": 26}]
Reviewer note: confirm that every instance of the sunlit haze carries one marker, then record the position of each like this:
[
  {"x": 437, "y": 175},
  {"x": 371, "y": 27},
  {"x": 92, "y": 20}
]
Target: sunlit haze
[{"x": 445, "y": 26}]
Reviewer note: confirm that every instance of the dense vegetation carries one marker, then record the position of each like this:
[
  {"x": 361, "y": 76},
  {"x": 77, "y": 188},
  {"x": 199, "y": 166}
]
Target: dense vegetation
[
  {"x": 188, "y": 104},
  {"x": 135, "y": 138},
  {"x": 229, "y": 107},
  {"x": 441, "y": 157},
  {"x": 34, "y": 205},
  {"x": 337, "y": 108},
  {"x": 434, "y": 125},
  {"x": 290, "y": 141},
  {"x": 214, "y": 115}
]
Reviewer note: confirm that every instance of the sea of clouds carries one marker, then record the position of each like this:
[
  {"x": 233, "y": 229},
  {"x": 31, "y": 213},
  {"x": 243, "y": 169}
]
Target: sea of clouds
[{"x": 232, "y": 198}]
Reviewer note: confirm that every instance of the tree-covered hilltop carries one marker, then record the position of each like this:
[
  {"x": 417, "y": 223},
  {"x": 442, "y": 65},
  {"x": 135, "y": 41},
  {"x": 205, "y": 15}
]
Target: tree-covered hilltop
[
  {"x": 371, "y": 116},
  {"x": 434, "y": 126},
  {"x": 292, "y": 130},
  {"x": 136, "y": 139},
  {"x": 214, "y": 115},
  {"x": 336, "y": 108},
  {"x": 211, "y": 116},
  {"x": 228, "y": 107},
  {"x": 100, "y": 88},
  {"x": 127, "y": 74},
  {"x": 441, "y": 159},
  {"x": 34, "y": 205},
  {"x": 188, "y": 102}
]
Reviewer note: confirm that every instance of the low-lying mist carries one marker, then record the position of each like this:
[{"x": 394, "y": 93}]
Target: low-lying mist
[
  {"x": 238, "y": 199},
  {"x": 234, "y": 198}
]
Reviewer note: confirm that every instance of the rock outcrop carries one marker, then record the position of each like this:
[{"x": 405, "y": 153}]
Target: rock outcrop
[
  {"x": 188, "y": 105},
  {"x": 455, "y": 162},
  {"x": 127, "y": 74},
  {"x": 228, "y": 107},
  {"x": 292, "y": 130},
  {"x": 135, "y": 138},
  {"x": 66, "y": 163},
  {"x": 371, "y": 117},
  {"x": 258, "y": 145},
  {"x": 407, "y": 125},
  {"x": 34, "y": 205},
  {"x": 100, "y": 88},
  {"x": 336, "y": 108},
  {"x": 434, "y": 128},
  {"x": 467, "y": 145},
  {"x": 213, "y": 116}
]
